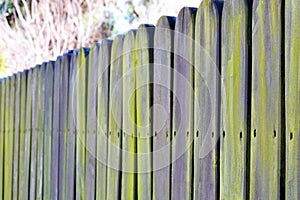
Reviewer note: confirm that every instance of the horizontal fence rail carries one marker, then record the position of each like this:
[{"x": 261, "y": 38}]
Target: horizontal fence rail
[{"x": 204, "y": 105}]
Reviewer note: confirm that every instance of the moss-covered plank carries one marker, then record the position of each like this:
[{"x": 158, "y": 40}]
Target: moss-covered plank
[
  {"x": 2, "y": 111},
  {"x": 40, "y": 106},
  {"x": 48, "y": 125},
  {"x": 81, "y": 90},
  {"x": 183, "y": 105},
  {"x": 25, "y": 132},
  {"x": 70, "y": 137},
  {"x": 8, "y": 137},
  {"x": 34, "y": 132},
  {"x": 206, "y": 102},
  {"x": 91, "y": 123},
  {"x": 162, "y": 97},
  {"x": 129, "y": 183},
  {"x": 292, "y": 98},
  {"x": 234, "y": 108},
  {"x": 16, "y": 133},
  {"x": 144, "y": 90},
  {"x": 266, "y": 121},
  {"x": 102, "y": 118},
  {"x": 115, "y": 120}
]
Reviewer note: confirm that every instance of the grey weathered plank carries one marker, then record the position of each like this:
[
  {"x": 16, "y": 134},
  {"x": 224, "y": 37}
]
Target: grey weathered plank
[
  {"x": 25, "y": 132},
  {"x": 34, "y": 132},
  {"x": 144, "y": 76},
  {"x": 81, "y": 87},
  {"x": 55, "y": 127},
  {"x": 234, "y": 107},
  {"x": 91, "y": 123},
  {"x": 102, "y": 118},
  {"x": 2, "y": 111},
  {"x": 69, "y": 183},
  {"x": 182, "y": 149},
  {"x": 162, "y": 97},
  {"x": 9, "y": 137},
  {"x": 40, "y": 129},
  {"x": 63, "y": 125},
  {"x": 292, "y": 100},
  {"x": 129, "y": 184},
  {"x": 48, "y": 114},
  {"x": 207, "y": 102},
  {"x": 266, "y": 121},
  {"x": 115, "y": 120},
  {"x": 16, "y": 133}
]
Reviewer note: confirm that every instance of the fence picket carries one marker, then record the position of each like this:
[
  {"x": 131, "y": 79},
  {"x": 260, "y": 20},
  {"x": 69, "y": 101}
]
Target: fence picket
[
  {"x": 162, "y": 118},
  {"x": 69, "y": 183},
  {"x": 55, "y": 133},
  {"x": 182, "y": 142},
  {"x": 34, "y": 132},
  {"x": 115, "y": 120},
  {"x": 235, "y": 94},
  {"x": 266, "y": 104},
  {"x": 144, "y": 76},
  {"x": 40, "y": 130},
  {"x": 2, "y": 119},
  {"x": 8, "y": 143},
  {"x": 104, "y": 56},
  {"x": 129, "y": 186},
  {"x": 292, "y": 92}
]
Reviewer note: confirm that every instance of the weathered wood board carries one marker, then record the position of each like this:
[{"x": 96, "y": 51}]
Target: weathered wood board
[
  {"x": 266, "y": 100},
  {"x": 90, "y": 159},
  {"x": 292, "y": 98},
  {"x": 80, "y": 122},
  {"x": 69, "y": 170},
  {"x": 40, "y": 106},
  {"x": 48, "y": 125},
  {"x": 162, "y": 98},
  {"x": 235, "y": 100},
  {"x": 115, "y": 120},
  {"x": 63, "y": 124},
  {"x": 9, "y": 137},
  {"x": 25, "y": 133},
  {"x": 34, "y": 132},
  {"x": 55, "y": 132},
  {"x": 129, "y": 183},
  {"x": 2, "y": 120},
  {"x": 16, "y": 133},
  {"x": 102, "y": 118},
  {"x": 183, "y": 105},
  {"x": 206, "y": 102},
  {"x": 144, "y": 90}
]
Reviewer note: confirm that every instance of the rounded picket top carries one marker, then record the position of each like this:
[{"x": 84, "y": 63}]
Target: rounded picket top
[{"x": 144, "y": 36}]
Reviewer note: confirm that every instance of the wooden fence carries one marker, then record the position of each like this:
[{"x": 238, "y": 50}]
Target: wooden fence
[{"x": 202, "y": 106}]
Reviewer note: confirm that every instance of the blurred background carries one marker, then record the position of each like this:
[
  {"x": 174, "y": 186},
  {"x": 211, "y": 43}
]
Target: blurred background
[{"x": 33, "y": 31}]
